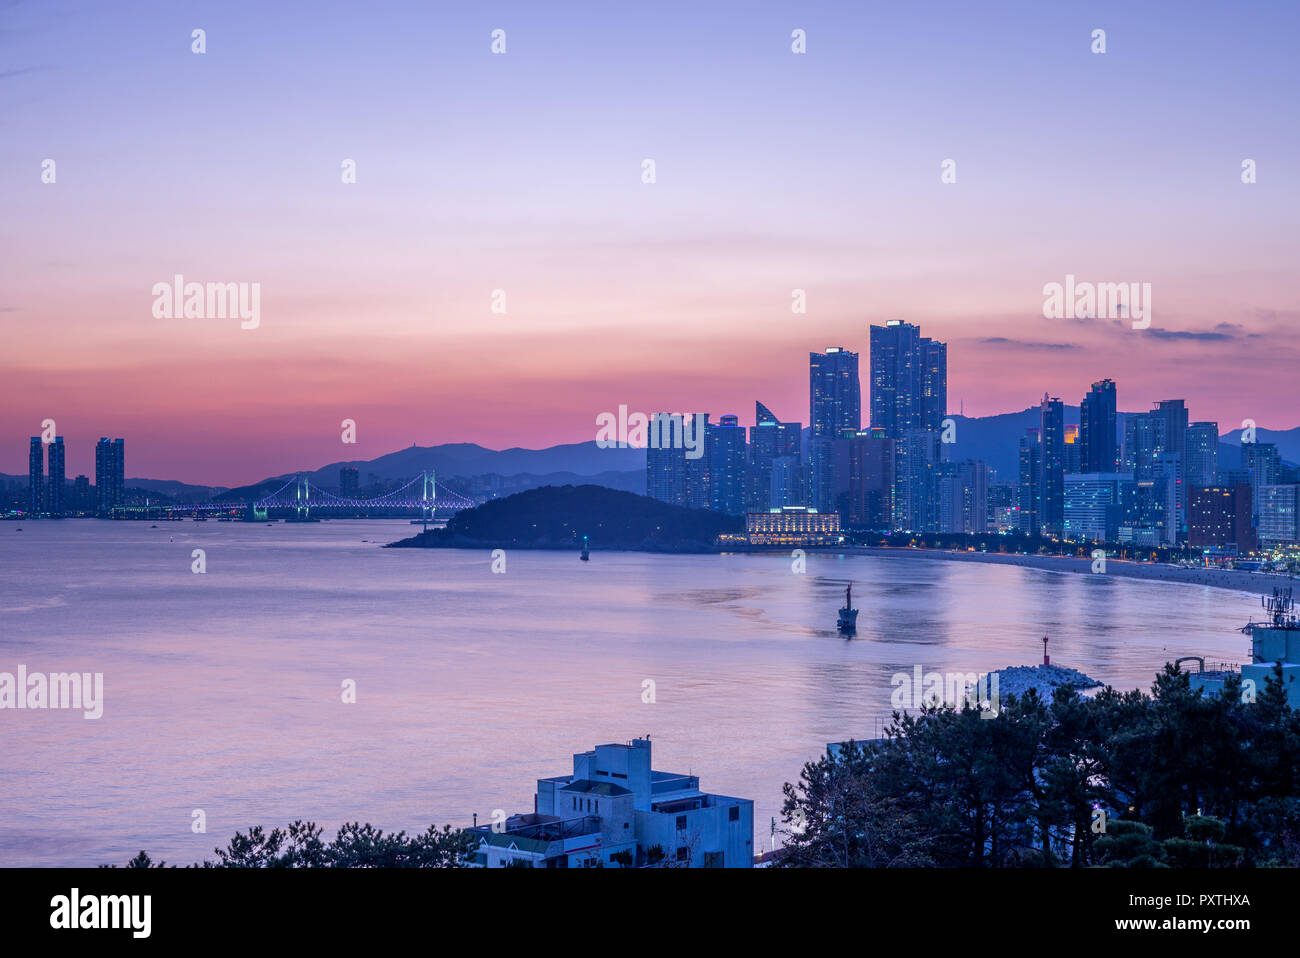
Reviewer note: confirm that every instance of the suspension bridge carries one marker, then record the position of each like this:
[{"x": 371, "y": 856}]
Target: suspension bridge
[{"x": 299, "y": 495}]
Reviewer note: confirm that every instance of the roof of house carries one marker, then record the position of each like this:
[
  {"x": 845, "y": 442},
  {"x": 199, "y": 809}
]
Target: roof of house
[{"x": 587, "y": 786}]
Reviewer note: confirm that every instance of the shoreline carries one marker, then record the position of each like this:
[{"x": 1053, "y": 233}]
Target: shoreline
[{"x": 1236, "y": 580}]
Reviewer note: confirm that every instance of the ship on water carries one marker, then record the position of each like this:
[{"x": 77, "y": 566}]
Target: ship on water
[
  {"x": 848, "y": 621},
  {"x": 1274, "y": 642}
]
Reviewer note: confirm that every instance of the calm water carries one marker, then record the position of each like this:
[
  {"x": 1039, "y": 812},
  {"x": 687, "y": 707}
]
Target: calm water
[{"x": 222, "y": 690}]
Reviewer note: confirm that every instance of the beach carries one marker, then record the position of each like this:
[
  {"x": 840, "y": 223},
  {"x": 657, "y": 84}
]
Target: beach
[{"x": 1256, "y": 583}]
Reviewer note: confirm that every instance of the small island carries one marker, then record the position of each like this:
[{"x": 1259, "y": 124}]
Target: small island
[{"x": 557, "y": 517}]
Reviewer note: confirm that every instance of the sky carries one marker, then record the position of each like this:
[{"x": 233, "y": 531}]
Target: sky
[{"x": 523, "y": 172}]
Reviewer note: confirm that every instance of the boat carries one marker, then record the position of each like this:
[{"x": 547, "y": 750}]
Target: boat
[
  {"x": 848, "y": 622},
  {"x": 586, "y": 553}
]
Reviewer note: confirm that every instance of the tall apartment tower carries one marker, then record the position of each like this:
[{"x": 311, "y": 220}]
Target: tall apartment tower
[
  {"x": 1202, "y": 454},
  {"x": 677, "y": 459},
  {"x": 909, "y": 379},
  {"x": 110, "y": 472},
  {"x": 56, "y": 490},
  {"x": 1052, "y": 464},
  {"x": 727, "y": 466},
  {"x": 1263, "y": 467},
  {"x": 1029, "y": 489},
  {"x": 1097, "y": 416},
  {"x": 834, "y": 407},
  {"x": 772, "y": 471},
  {"x": 36, "y": 476}
]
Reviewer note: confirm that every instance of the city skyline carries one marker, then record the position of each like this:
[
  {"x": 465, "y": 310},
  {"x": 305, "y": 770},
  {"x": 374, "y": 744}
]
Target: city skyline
[{"x": 513, "y": 172}]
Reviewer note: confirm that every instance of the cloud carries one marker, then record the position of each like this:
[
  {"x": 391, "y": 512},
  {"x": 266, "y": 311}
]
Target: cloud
[
  {"x": 1024, "y": 343},
  {"x": 1188, "y": 335}
]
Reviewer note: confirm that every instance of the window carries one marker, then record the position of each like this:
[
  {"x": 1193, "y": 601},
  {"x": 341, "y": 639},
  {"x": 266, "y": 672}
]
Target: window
[
  {"x": 733, "y": 813},
  {"x": 683, "y": 854},
  {"x": 681, "y": 823}
]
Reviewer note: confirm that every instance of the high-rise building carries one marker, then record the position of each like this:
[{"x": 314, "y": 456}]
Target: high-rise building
[
  {"x": 1169, "y": 471},
  {"x": 834, "y": 405},
  {"x": 916, "y": 459},
  {"x": 1202, "y": 454},
  {"x": 1002, "y": 507},
  {"x": 909, "y": 379},
  {"x": 1279, "y": 515},
  {"x": 1073, "y": 450},
  {"x": 81, "y": 496},
  {"x": 110, "y": 473},
  {"x": 677, "y": 459},
  {"x": 36, "y": 476},
  {"x": 1144, "y": 439},
  {"x": 1174, "y": 413},
  {"x": 1097, "y": 416},
  {"x": 1029, "y": 491},
  {"x": 1220, "y": 516},
  {"x": 1096, "y": 504},
  {"x": 769, "y": 440},
  {"x": 864, "y": 476},
  {"x": 1052, "y": 463},
  {"x": 1262, "y": 463},
  {"x": 349, "y": 480},
  {"x": 54, "y": 499},
  {"x": 727, "y": 466},
  {"x": 962, "y": 497}
]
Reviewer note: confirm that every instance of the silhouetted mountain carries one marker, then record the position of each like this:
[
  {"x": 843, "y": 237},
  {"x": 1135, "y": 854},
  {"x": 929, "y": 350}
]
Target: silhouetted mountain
[
  {"x": 557, "y": 517},
  {"x": 469, "y": 459}
]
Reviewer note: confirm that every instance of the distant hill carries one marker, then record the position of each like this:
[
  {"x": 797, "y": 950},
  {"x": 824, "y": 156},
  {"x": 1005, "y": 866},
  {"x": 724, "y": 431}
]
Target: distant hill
[
  {"x": 1288, "y": 441},
  {"x": 465, "y": 459},
  {"x": 557, "y": 517}
]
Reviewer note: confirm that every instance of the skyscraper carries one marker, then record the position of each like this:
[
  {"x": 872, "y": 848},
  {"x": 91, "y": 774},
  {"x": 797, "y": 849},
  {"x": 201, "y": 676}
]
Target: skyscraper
[
  {"x": 770, "y": 440},
  {"x": 1263, "y": 466},
  {"x": 909, "y": 379},
  {"x": 834, "y": 405},
  {"x": 36, "y": 476},
  {"x": 677, "y": 460},
  {"x": 727, "y": 466},
  {"x": 1097, "y": 415},
  {"x": 110, "y": 472},
  {"x": 916, "y": 477},
  {"x": 1029, "y": 492},
  {"x": 864, "y": 478},
  {"x": 1202, "y": 454},
  {"x": 1144, "y": 439},
  {"x": 1052, "y": 463},
  {"x": 55, "y": 493},
  {"x": 1174, "y": 414}
]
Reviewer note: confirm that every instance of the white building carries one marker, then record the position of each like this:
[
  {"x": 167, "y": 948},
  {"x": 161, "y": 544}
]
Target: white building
[{"x": 614, "y": 806}]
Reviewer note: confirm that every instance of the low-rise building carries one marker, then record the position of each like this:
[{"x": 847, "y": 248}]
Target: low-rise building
[
  {"x": 793, "y": 526},
  {"x": 615, "y": 809}
]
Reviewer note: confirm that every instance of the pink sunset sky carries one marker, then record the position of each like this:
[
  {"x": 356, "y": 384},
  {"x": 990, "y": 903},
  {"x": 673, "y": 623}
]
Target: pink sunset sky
[{"x": 522, "y": 172}]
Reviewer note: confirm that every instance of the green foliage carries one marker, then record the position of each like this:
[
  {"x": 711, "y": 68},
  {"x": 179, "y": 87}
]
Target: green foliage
[
  {"x": 555, "y": 517},
  {"x": 1174, "y": 778},
  {"x": 355, "y": 846}
]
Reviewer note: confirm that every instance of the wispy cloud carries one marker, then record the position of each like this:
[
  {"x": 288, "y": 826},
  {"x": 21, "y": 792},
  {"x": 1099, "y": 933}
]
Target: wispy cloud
[{"x": 1025, "y": 343}]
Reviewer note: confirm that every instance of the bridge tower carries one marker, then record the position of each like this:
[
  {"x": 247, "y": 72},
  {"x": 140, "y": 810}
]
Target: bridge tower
[
  {"x": 428, "y": 497},
  {"x": 304, "y": 497}
]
